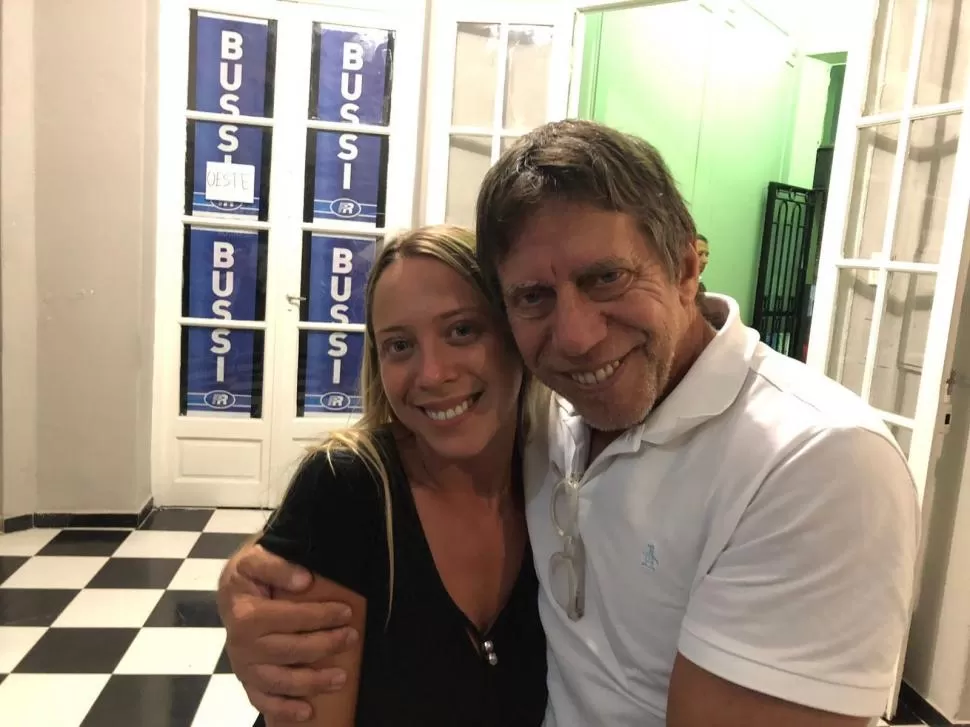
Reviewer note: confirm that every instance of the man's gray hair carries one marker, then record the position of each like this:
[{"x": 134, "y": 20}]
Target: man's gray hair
[{"x": 585, "y": 162}]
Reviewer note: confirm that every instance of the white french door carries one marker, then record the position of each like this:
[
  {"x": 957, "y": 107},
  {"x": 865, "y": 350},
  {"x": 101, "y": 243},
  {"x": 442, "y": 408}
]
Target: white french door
[
  {"x": 498, "y": 70},
  {"x": 288, "y": 138},
  {"x": 893, "y": 261}
]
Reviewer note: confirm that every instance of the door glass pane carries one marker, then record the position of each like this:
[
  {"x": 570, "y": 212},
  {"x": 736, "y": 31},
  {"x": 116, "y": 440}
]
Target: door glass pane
[
  {"x": 231, "y": 64},
  {"x": 469, "y": 158},
  {"x": 926, "y": 188},
  {"x": 346, "y": 177},
  {"x": 224, "y": 274},
  {"x": 854, "y": 298},
  {"x": 507, "y": 143},
  {"x": 476, "y": 65},
  {"x": 335, "y": 271},
  {"x": 866, "y": 223},
  {"x": 527, "y": 76},
  {"x": 221, "y": 372},
  {"x": 890, "y": 56},
  {"x": 227, "y": 170},
  {"x": 946, "y": 54},
  {"x": 902, "y": 342},
  {"x": 328, "y": 373},
  {"x": 351, "y": 78}
]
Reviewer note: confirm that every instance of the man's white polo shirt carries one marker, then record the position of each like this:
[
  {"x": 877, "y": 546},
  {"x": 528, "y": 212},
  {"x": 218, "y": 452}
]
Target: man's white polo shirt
[{"x": 761, "y": 521}]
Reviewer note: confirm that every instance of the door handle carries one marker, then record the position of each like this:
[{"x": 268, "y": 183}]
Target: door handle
[{"x": 295, "y": 299}]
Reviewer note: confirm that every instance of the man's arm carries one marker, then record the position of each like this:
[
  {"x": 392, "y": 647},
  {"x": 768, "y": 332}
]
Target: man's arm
[
  {"x": 697, "y": 698},
  {"x": 801, "y": 618},
  {"x": 267, "y": 638}
]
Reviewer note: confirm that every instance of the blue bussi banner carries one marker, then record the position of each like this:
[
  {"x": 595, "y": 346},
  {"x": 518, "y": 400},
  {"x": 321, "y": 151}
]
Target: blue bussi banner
[
  {"x": 351, "y": 84},
  {"x": 224, "y": 278},
  {"x": 232, "y": 63},
  {"x": 335, "y": 274}
]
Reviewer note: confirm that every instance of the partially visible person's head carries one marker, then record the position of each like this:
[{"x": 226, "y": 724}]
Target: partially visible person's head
[
  {"x": 589, "y": 245},
  {"x": 703, "y": 252},
  {"x": 438, "y": 358}
]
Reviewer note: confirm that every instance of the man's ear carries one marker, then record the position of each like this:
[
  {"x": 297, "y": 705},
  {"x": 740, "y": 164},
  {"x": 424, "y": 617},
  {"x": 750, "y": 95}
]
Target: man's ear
[{"x": 690, "y": 271}]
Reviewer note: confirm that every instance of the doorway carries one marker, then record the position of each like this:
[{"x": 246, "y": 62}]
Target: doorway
[{"x": 288, "y": 149}]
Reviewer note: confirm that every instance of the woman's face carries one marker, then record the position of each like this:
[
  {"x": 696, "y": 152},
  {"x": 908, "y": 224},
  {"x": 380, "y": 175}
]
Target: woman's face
[{"x": 448, "y": 372}]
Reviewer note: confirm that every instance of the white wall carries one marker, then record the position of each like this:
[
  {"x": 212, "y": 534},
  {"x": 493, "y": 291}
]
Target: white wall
[
  {"x": 78, "y": 178},
  {"x": 18, "y": 285}
]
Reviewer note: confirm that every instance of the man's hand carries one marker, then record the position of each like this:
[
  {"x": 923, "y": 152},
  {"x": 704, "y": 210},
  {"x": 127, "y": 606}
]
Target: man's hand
[{"x": 271, "y": 643}]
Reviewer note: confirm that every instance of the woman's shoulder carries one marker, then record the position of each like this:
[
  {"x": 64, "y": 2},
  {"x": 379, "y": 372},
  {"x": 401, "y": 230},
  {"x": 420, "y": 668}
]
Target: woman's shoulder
[{"x": 352, "y": 460}]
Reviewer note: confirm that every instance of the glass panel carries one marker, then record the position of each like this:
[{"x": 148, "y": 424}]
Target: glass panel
[
  {"x": 469, "y": 158},
  {"x": 328, "y": 373},
  {"x": 866, "y": 223},
  {"x": 926, "y": 188},
  {"x": 335, "y": 271},
  {"x": 351, "y": 78},
  {"x": 476, "y": 65},
  {"x": 527, "y": 76},
  {"x": 221, "y": 372},
  {"x": 891, "y": 50},
  {"x": 227, "y": 170},
  {"x": 946, "y": 54},
  {"x": 902, "y": 343},
  {"x": 231, "y": 64},
  {"x": 903, "y": 436},
  {"x": 346, "y": 177},
  {"x": 224, "y": 274},
  {"x": 507, "y": 143},
  {"x": 850, "y": 329}
]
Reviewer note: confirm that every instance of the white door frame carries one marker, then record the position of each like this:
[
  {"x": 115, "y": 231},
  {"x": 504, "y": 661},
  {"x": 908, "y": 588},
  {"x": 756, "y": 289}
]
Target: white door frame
[
  {"x": 950, "y": 271},
  {"x": 256, "y": 439}
]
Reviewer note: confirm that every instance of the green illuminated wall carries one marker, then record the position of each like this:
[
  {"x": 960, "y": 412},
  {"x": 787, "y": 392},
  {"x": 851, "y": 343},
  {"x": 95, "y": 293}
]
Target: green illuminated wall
[{"x": 728, "y": 104}]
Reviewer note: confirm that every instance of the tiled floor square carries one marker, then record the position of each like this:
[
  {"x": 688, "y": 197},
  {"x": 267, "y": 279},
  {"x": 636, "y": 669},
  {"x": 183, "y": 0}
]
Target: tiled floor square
[
  {"x": 151, "y": 701},
  {"x": 136, "y": 573},
  {"x": 177, "y": 519},
  {"x": 26, "y": 542},
  {"x": 15, "y": 642},
  {"x": 9, "y": 564},
  {"x": 77, "y": 651},
  {"x": 223, "y": 666},
  {"x": 249, "y": 522},
  {"x": 85, "y": 542},
  {"x": 173, "y": 651},
  {"x": 49, "y": 700},
  {"x": 190, "y": 609},
  {"x": 225, "y": 703},
  {"x": 30, "y": 607},
  {"x": 198, "y": 574},
  {"x": 157, "y": 544},
  {"x": 218, "y": 545},
  {"x": 109, "y": 608},
  {"x": 60, "y": 571}
]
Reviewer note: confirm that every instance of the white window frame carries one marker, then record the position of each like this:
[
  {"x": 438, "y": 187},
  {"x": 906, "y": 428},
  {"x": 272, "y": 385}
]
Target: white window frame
[{"x": 444, "y": 37}]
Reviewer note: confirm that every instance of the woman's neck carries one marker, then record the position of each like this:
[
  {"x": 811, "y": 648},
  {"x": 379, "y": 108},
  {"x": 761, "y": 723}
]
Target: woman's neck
[{"x": 487, "y": 475}]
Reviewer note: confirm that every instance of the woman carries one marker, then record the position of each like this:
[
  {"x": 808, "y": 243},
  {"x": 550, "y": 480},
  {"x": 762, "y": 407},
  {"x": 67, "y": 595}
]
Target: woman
[{"x": 415, "y": 515}]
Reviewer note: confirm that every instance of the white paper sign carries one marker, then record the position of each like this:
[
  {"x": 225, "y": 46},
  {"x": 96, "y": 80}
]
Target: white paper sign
[{"x": 230, "y": 182}]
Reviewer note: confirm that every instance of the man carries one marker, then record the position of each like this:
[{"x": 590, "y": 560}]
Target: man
[
  {"x": 724, "y": 537},
  {"x": 703, "y": 254}
]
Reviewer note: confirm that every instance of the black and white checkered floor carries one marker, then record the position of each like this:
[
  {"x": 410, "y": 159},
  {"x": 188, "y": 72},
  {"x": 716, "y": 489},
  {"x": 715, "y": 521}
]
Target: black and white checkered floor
[{"x": 102, "y": 628}]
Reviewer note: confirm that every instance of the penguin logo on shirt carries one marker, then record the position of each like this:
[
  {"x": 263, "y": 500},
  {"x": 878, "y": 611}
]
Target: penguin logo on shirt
[{"x": 649, "y": 560}]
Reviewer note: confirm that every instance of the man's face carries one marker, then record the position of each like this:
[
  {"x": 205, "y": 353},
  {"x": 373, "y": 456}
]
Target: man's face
[
  {"x": 594, "y": 312},
  {"x": 703, "y": 254}
]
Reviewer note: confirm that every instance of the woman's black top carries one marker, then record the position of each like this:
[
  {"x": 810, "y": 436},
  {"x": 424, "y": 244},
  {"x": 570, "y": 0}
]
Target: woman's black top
[{"x": 421, "y": 668}]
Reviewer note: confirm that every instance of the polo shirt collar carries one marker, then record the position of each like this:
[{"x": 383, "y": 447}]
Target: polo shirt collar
[{"x": 708, "y": 388}]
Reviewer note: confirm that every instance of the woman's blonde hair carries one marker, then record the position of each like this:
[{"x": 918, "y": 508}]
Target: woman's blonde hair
[{"x": 448, "y": 244}]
